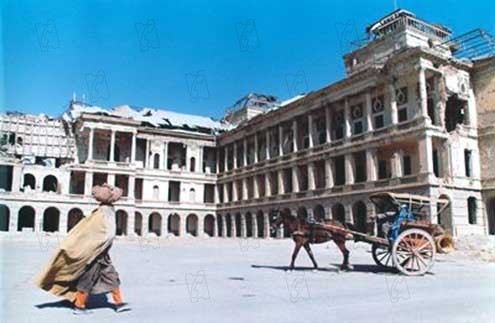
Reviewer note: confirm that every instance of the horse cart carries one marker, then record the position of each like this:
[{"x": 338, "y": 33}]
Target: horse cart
[{"x": 405, "y": 238}]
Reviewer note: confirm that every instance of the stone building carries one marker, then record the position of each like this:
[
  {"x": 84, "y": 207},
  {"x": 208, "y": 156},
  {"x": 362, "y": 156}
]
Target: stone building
[{"x": 408, "y": 117}]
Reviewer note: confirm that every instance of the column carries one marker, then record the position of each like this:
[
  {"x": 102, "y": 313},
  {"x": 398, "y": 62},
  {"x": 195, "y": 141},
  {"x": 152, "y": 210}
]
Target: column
[
  {"x": 225, "y": 192},
  {"x": 425, "y": 150},
  {"x": 268, "y": 184},
  {"x": 226, "y": 158},
  {"x": 245, "y": 152},
  {"x": 16, "y": 178},
  {"x": 130, "y": 188},
  {"x": 111, "y": 179},
  {"x": 394, "y": 114},
  {"x": 112, "y": 145},
  {"x": 90, "y": 144},
  {"x": 245, "y": 188},
  {"x": 267, "y": 146},
  {"x": 295, "y": 179},
  {"x": 310, "y": 130},
  {"x": 328, "y": 124},
  {"x": 254, "y": 225},
  {"x": 234, "y": 158},
  {"x": 182, "y": 226},
  {"x": 423, "y": 99},
  {"x": 133, "y": 148},
  {"x": 165, "y": 155},
  {"x": 235, "y": 192},
  {"x": 233, "y": 226},
  {"x": 217, "y": 161},
  {"x": 243, "y": 226},
  {"x": 347, "y": 119},
  {"x": 371, "y": 165},
  {"x": 397, "y": 163},
  {"x": 280, "y": 177},
  {"x": 329, "y": 177},
  {"x": 256, "y": 188},
  {"x": 369, "y": 112},
  {"x": 266, "y": 225},
  {"x": 349, "y": 170},
  {"x": 224, "y": 225},
  {"x": 256, "y": 157},
  {"x": 311, "y": 176},
  {"x": 147, "y": 156},
  {"x": 88, "y": 183},
  {"x": 280, "y": 140},
  {"x": 295, "y": 136},
  {"x": 14, "y": 217}
]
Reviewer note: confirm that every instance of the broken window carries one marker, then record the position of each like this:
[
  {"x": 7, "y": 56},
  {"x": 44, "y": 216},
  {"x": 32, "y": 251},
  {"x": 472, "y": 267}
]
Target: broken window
[
  {"x": 407, "y": 167},
  {"x": 339, "y": 163},
  {"x": 467, "y": 162},
  {"x": 176, "y": 159},
  {"x": 401, "y": 96},
  {"x": 321, "y": 131},
  {"x": 378, "y": 108},
  {"x": 338, "y": 125},
  {"x": 288, "y": 139},
  {"x": 454, "y": 112},
  {"x": 274, "y": 151}
]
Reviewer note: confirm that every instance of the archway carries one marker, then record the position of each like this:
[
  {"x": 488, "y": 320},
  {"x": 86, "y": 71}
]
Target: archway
[
  {"x": 155, "y": 223},
  {"x": 50, "y": 184},
  {"x": 220, "y": 225},
  {"x": 319, "y": 213},
  {"x": 287, "y": 231},
  {"x": 228, "y": 224},
  {"x": 260, "y": 221},
  {"x": 192, "y": 224},
  {"x": 25, "y": 218},
  {"x": 4, "y": 218},
  {"x": 238, "y": 225},
  {"x": 29, "y": 180},
  {"x": 138, "y": 223},
  {"x": 209, "y": 225},
  {"x": 51, "y": 219},
  {"x": 359, "y": 216},
  {"x": 444, "y": 218},
  {"x": 173, "y": 224},
  {"x": 338, "y": 212},
  {"x": 75, "y": 215},
  {"x": 121, "y": 223}
]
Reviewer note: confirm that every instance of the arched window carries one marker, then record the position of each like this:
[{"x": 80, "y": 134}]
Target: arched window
[
  {"x": 192, "y": 195},
  {"x": 156, "y": 161},
  {"x": 50, "y": 184},
  {"x": 472, "y": 210},
  {"x": 30, "y": 181},
  {"x": 156, "y": 192},
  {"x": 192, "y": 166}
]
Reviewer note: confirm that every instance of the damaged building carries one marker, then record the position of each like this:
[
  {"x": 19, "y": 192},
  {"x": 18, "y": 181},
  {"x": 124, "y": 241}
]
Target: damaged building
[{"x": 410, "y": 116}]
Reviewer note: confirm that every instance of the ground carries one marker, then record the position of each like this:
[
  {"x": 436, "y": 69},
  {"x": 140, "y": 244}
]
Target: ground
[{"x": 239, "y": 280}]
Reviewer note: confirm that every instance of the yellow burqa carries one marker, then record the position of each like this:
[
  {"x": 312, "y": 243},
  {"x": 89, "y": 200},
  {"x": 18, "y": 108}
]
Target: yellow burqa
[{"x": 88, "y": 239}]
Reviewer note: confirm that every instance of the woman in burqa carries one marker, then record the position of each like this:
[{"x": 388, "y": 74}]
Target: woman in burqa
[{"x": 82, "y": 266}]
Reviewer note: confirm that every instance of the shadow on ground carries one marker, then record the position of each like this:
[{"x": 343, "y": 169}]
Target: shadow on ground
[
  {"x": 94, "y": 302},
  {"x": 374, "y": 269}
]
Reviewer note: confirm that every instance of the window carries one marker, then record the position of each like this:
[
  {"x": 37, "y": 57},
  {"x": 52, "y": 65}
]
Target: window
[
  {"x": 156, "y": 192},
  {"x": 382, "y": 169},
  {"x": 357, "y": 118},
  {"x": 406, "y": 160},
  {"x": 378, "y": 109},
  {"x": 401, "y": 96},
  {"x": 472, "y": 210},
  {"x": 403, "y": 114},
  {"x": 156, "y": 161},
  {"x": 192, "y": 166},
  {"x": 436, "y": 169},
  {"x": 339, "y": 163},
  {"x": 338, "y": 125},
  {"x": 467, "y": 162}
]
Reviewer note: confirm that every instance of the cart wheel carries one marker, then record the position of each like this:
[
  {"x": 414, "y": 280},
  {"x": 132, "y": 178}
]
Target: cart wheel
[
  {"x": 382, "y": 256},
  {"x": 414, "y": 252}
]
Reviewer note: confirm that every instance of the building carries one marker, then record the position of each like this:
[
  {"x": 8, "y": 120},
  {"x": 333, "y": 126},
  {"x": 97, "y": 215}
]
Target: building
[{"x": 410, "y": 116}]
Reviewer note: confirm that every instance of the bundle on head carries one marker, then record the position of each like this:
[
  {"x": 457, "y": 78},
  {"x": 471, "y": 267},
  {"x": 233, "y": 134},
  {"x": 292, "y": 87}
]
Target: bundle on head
[{"x": 106, "y": 194}]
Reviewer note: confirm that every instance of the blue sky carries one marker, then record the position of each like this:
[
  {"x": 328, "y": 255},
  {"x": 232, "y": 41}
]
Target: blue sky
[{"x": 194, "y": 57}]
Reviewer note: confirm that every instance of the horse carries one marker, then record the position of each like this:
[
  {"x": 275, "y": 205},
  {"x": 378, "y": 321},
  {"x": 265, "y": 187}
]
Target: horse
[{"x": 304, "y": 234}]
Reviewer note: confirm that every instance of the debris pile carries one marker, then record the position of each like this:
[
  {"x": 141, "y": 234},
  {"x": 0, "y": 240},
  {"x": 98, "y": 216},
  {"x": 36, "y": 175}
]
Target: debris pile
[{"x": 476, "y": 246}]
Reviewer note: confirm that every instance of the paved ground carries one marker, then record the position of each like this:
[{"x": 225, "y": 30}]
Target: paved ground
[{"x": 218, "y": 280}]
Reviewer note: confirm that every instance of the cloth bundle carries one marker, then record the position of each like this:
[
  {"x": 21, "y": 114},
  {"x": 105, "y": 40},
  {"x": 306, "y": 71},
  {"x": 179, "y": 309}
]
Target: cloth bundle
[{"x": 106, "y": 194}]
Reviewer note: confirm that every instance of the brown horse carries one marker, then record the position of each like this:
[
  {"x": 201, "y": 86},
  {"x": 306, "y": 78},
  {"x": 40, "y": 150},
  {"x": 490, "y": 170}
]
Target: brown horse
[{"x": 305, "y": 234}]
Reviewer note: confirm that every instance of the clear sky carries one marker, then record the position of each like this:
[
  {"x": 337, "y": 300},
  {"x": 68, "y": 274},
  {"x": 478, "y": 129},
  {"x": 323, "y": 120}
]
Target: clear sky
[{"x": 194, "y": 57}]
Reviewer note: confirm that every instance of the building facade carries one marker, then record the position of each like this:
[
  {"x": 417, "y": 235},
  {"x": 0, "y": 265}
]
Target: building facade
[{"x": 408, "y": 117}]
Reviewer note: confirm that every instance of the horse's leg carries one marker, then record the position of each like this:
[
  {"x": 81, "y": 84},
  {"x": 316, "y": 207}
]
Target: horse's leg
[
  {"x": 310, "y": 253},
  {"x": 340, "y": 242},
  {"x": 297, "y": 247}
]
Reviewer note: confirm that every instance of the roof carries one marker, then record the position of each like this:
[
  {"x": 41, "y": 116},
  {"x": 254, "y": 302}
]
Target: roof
[{"x": 154, "y": 117}]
